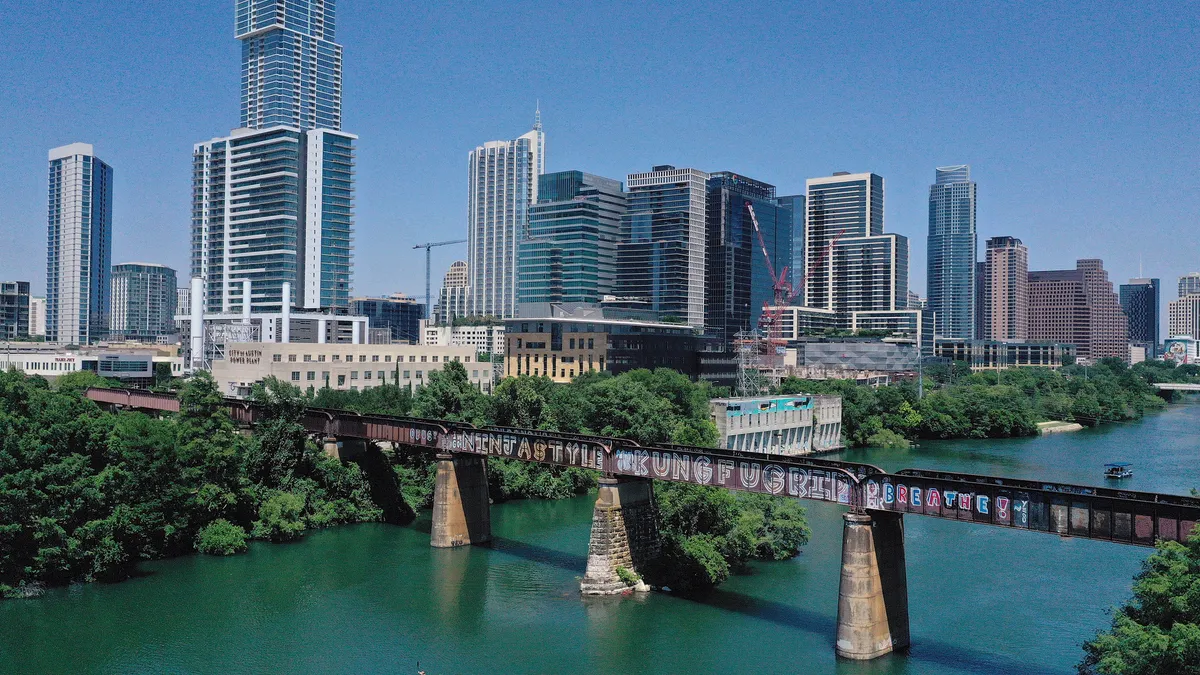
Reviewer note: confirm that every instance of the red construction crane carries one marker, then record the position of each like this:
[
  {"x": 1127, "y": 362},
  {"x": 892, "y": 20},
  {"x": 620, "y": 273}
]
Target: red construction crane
[{"x": 772, "y": 313}]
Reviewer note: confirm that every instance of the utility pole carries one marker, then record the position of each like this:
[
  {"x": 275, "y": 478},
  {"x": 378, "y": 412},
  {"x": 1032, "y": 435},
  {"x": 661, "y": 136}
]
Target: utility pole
[{"x": 428, "y": 247}]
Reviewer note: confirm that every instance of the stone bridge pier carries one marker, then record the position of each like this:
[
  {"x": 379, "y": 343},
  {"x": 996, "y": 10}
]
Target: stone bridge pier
[
  {"x": 624, "y": 534},
  {"x": 873, "y": 594},
  {"x": 461, "y": 511}
]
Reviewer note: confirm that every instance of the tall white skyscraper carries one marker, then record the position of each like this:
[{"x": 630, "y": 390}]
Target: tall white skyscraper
[
  {"x": 503, "y": 183},
  {"x": 273, "y": 206},
  {"x": 79, "y": 246}
]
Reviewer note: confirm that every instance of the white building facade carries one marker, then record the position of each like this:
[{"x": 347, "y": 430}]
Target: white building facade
[{"x": 502, "y": 179}]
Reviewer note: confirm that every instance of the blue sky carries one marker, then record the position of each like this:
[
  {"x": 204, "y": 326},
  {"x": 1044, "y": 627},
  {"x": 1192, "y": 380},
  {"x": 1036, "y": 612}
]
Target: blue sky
[{"x": 1079, "y": 120}]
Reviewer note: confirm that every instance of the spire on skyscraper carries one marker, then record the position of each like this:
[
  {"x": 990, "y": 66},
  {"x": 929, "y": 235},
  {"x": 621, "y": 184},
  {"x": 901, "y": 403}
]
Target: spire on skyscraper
[{"x": 537, "y": 116}]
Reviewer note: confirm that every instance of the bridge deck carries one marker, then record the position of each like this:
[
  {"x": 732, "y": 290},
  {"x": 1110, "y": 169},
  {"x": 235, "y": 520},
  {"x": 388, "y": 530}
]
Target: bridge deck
[{"x": 1128, "y": 517}]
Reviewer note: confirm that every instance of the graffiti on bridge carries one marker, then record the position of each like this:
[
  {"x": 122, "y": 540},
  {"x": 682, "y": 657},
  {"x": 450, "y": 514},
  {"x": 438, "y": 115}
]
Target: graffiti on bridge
[{"x": 678, "y": 465}]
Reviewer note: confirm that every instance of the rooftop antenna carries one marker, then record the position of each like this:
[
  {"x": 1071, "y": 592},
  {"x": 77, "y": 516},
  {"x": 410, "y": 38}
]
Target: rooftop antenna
[{"x": 1140, "y": 266}]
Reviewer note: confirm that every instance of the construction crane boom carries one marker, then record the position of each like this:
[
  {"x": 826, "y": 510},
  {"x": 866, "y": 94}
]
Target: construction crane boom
[{"x": 428, "y": 247}]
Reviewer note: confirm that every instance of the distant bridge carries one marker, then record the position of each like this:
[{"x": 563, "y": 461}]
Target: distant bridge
[
  {"x": 1174, "y": 386},
  {"x": 873, "y": 603}
]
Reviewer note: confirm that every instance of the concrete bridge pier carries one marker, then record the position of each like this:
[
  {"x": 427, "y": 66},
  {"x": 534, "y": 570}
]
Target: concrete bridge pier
[
  {"x": 624, "y": 534},
  {"x": 873, "y": 595},
  {"x": 461, "y": 511}
]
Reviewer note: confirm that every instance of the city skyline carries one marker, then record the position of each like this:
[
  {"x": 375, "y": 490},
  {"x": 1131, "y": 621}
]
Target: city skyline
[{"x": 1053, "y": 218}]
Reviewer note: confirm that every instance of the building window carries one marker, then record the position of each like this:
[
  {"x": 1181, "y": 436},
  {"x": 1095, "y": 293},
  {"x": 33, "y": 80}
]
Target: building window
[
  {"x": 295, "y": 376},
  {"x": 374, "y": 358},
  {"x": 291, "y": 358},
  {"x": 320, "y": 358},
  {"x": 420, "y": 374},
  {"x": 349, "y": 358},
  {"x": 407, "y": 374},
  {"x": 424, "y": 358},
  {"x": 311, "y": 376},
  {"x": 572, "y": 343},
  {"x": 362, "y": 358},
  {"x": 325, "y": 377},
  {"x": 591, "y": 343},
  {"x": 277, "y": 357},
  {"x": 354, "y": 374},
  {"x": 366, "y": 374},
  {"x": 474, "y": 373},
  {"x": 307, "y": 358},
  {"x": 382, "y": 375},
  {"x": 387, "y": 359},
  {"x": 341, "y": 380},
  {"x": 337, "y": 357}
]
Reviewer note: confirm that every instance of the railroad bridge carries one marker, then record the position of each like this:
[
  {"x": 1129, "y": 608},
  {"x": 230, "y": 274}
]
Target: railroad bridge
[{"x": 873, "y": 594}]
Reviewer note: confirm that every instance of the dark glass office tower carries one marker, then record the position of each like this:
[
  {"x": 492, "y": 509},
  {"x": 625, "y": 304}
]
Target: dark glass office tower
[
  {"x": 795, "y": 204},
  {"x": 571, "y": 252},
  {"x": 1140, "y": 300},
  {"x": 951, "y": 252},
  {"x": 660, "y": 257},
  {"x": 737, "y": 281}
]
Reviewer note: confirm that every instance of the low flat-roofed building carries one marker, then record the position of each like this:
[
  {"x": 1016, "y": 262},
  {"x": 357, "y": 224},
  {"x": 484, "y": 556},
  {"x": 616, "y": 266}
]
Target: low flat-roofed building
[
  {"x": 340, "y": 366},
  {"x": 52, "y": 361},
  {"x": 779, "y": 425},
  {"x": 1002, "y": 354},
  {"x": 483, "y": 337}
]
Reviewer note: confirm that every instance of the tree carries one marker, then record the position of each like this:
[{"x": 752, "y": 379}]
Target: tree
[
  {"x": 280, "y": 518},
  {"x": 221, "y": 537},
  {"x": 448, "y": 394},
  {"x": 1158, "y": 631}
]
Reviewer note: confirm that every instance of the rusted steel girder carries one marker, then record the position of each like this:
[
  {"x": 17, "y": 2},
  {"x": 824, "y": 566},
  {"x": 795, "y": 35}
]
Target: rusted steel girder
[{"x": 1121, "y": 516}]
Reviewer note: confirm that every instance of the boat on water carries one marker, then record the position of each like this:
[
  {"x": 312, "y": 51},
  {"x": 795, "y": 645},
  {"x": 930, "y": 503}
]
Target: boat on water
[{"x": 1118, "y": 470}]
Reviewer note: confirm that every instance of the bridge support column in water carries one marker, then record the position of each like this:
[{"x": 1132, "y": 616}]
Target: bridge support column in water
[
  {"x": 461, "y": 512},
  {"x": 873, "y": 595},
  {"x": 624, "y": 534},
  {"x": 330, "y": 446}
]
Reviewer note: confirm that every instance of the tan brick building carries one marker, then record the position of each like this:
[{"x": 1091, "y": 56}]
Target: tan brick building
[{"x": 1078, "y": 307}]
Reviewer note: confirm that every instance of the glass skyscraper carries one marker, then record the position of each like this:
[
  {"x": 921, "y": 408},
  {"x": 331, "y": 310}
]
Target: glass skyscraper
[
  {"x": 737, "y": 281},
  {"x": 660, "y": 258},
  {"x": 273, "y": 206},
  {"x": 503, "y": 183},
  {"x": 951, "y": 252},
  {"x": 79, "y": 246},
  {"x": 291, "y": 67},
  {"x": 1140, "y": 300},
  {"x": 795, "y": 204},
  {"x": 143, "y": 301},
  {"x": 571, "y": 252},
  {"x": 840, "y": 206}
]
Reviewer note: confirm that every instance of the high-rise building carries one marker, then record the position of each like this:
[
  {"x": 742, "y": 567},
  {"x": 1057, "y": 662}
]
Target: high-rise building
[
  {"x": 841, "y": 206},
  {"x": 571, "y": 252},
  {"x": 452, "y": 301},
  {"x": 1183, "y": 316},
  {"x": 79, "y": 245},
  {"x": 14, "y": 310},
  {"x": 143, "y": 301},
  {"x": 737, "y": 281},
  {"x": 398, "y": 313},
  {"x": 274, "y": 206},
  {"x": 1004, "y": 296},
  {"x": 660, "y": 257},
  {"x": 1140, "y": 300},
  {"x": 795, "y": 204},
  {"x": 503, "y": 183},
  {"x": 1078, "y": 307},
  {"x": 291, "y": 66},
  {"x": 870, "y": 274},
  {"x": 37, "y": 316},
  {"x": 951, "y": 252},
  {"x": 1189, "y": 284}
]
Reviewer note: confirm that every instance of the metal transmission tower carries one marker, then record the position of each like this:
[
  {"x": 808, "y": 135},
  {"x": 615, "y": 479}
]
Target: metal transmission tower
[{"x": 428, "y": 247}]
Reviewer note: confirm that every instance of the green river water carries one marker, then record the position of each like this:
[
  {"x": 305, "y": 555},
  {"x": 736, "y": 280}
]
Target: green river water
[{"x": 378, "y": 599}]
